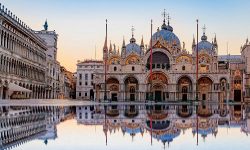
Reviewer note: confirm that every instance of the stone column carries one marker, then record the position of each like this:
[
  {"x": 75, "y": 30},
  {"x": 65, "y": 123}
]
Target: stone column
[{"x": 1, "y": 92}]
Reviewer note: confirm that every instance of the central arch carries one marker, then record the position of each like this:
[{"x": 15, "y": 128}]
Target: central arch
[
  {"x": 131, "y": 88},
  {"x": 157, "y": 84},
  {"x": 159, "y": 60}
]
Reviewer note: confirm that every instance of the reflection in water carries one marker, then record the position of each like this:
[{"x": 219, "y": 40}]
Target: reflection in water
[
  {"x": 22, "y": 124},
  {"x": 163, "y": 123}
]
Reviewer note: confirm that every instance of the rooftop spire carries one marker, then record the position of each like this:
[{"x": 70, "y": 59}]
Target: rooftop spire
[
  {"x": 45, "y": 25},
  {"x": 193, "y": 40},
  {"x": 142, "y": 43},
  {"x": 215, "y": 40},
  {"x": 110, "y": 47},
  {"x": 123, "y": 42}
]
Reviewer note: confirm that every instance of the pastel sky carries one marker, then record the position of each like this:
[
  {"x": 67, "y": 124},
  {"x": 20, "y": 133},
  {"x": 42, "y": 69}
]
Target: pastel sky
[{"x": 80, "y": 24}]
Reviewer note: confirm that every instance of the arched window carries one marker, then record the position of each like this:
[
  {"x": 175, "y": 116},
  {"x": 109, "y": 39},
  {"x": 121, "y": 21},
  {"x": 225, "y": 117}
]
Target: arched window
[
  {"x": 184, "y": 89},
  {"x": 223, "y": 84},
  {"x": 183, "y": 68},
  {"x": 115, "y": 68},
  {"x": 133, "y": 68},
  {"x": 132, "y": 89}
]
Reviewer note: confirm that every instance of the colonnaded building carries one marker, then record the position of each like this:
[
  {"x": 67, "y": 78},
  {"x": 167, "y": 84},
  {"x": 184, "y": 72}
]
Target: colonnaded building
[
  {"x": 28, "y": 61},
  {"x": 221, "y": 77}
]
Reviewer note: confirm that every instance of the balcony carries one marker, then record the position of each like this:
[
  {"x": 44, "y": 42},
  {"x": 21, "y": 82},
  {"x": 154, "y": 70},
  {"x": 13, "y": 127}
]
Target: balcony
[{"x": 158, "y": 66}]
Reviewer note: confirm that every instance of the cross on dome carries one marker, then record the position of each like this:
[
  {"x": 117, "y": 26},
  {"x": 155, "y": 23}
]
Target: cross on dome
[
  {"x": 132, "y": 30},
  {"x": 164, "y": 15},
  {"x": 204, "y": 29}
]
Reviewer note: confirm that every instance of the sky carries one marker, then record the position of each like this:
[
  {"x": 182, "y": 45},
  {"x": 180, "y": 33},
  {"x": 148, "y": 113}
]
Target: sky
[{"x": 80, "y": 24}]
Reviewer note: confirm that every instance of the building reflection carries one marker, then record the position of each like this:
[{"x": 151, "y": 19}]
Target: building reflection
[
  {"x": 165, "y": 123},
  {"x": 20, "y": 124},
  {"x": 162, "y": 123}
]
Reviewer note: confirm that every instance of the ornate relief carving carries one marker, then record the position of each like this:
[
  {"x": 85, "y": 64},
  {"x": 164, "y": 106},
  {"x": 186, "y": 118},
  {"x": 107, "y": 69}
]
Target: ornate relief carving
[
  {"x": 114, "y": 61},
  {"x": 184, "y": 59},
  {"x": 158, "y": 77},
  {"x": 114, "y": 87},
  {"x": 132, "y": 59}
]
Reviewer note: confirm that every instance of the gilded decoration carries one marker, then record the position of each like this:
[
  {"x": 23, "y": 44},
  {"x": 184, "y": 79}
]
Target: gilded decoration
[
  {"x": 159, "y": 78},
  {"x": 184, "y": 59},
  {"x": 157, "y": 45},
  {"x": 114, "y": 61},
  {"x": 204, "y": 59},
  {"x": 132, "y": 59},
  {"x": 114, "y": 88},
  {"x": 204, "y": 81},
  {"x": 184, "y": 81}
]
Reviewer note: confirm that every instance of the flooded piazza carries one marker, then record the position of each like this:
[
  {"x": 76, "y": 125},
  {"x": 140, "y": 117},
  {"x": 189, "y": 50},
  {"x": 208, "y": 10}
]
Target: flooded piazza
[
  {"x": 124, "y": 75},
  {"x": 125, "y": 126}
]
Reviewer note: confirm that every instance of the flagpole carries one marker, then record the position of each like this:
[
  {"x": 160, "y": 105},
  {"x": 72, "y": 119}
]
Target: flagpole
[
  {"x": 151, "y": 61},
  {"x": 197, "y": 127},
  {"x": 105, "y": 65}
]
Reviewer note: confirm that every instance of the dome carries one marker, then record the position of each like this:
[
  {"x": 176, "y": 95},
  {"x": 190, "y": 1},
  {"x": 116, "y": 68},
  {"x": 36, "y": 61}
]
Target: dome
[
  {"x": 204, "y": 45},
  {"x": 132, "y": 130},
  {"x": 133, "y": 47},
  {"x": 166, "y": 33}
]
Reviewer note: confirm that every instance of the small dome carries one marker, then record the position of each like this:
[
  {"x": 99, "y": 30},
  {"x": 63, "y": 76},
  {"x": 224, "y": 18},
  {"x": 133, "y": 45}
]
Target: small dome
[
  {"x": 204, "y": 45},
  {"x": 133, "y": 47}
]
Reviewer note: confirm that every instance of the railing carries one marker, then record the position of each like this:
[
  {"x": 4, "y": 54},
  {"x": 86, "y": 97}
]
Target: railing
[{"x": 158, "y": 66}]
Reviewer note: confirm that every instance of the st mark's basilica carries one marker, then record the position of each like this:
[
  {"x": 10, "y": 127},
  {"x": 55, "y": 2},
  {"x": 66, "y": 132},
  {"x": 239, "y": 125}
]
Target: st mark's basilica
[{"x": 220, "y": 78}]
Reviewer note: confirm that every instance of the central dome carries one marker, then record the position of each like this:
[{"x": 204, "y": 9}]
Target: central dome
[{"x": 166, "y": 33}]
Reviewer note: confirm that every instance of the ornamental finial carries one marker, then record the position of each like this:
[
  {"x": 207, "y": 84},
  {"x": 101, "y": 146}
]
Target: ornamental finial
[{"x": 45, "y": 25}]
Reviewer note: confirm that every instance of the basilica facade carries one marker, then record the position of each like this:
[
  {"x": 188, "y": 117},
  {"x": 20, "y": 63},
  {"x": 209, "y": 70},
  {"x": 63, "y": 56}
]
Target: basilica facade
[{"x": 128, "y": 75}]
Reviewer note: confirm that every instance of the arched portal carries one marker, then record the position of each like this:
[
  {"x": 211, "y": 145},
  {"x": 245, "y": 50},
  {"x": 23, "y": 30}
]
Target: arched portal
[
  {"x": 113, "y": 88},
  {"x": 184, "y": 88},
  {"x": 131, "y": 88},
  {"x": 205, "y": 88},
  {"x": 237, "y": 88},
  {"x": 157, "y": 84},
  {"x": 159, "y": 60}
]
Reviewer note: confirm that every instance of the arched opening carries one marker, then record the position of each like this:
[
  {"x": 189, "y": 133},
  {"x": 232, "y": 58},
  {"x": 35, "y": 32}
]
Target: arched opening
[
  {"x": 131, "y": 86},
  {"x": 205, "y": 88},
  {"x": 184, "y": 88},
  {"x": 113, "y": 88},
  {"x": 237, "y": 89},
  {"x": 159, "y": 60},
  {"x": 184, "y": 111},
  {"x": 91, "y": 94},
  {"x": 157, "y": 85},
  {"x": 131, "y": 111}
]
